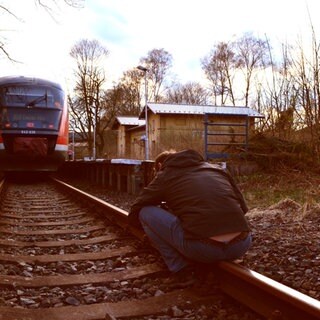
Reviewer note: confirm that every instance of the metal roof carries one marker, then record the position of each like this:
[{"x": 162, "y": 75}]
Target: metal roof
[
  {"x": 130, "y": 121},
  {"x": 200, "y": 109}
]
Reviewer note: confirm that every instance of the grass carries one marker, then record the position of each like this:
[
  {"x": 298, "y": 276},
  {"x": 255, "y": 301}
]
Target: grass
[{"x": 265, "y": 189}]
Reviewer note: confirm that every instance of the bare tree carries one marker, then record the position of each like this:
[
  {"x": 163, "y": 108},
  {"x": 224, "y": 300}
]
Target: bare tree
[
  {"x": 72, "y": 3},
  {"x": 251, "y": 54},
  {"x": 219, "y": 67},
  {"x": 51, "y": 6},
  {"x": 189, "y": 93},
  {"x": 158, "y": 62},
  {"x": 308, "y": 88},
  {"x": 47, "y": 5},
  {"x": 2, "y": 42},
  {"x": 85, "y": 105},
  {"x": 123, "y": 98},
  {"x": 278, "y": 98},
  {"x": 130, "y": 84}
]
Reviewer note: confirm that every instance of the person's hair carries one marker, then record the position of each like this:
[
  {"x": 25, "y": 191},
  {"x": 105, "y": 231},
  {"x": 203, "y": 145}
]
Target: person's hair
[{"x": 161, "y": 157}]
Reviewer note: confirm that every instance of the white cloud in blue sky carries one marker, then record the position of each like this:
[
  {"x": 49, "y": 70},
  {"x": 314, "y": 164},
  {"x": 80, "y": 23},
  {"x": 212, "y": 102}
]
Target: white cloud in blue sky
[{"x": 130, "y": 28}]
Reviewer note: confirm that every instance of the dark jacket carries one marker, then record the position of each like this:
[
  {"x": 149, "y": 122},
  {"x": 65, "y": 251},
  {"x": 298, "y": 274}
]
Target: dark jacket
[{"x": 205, "y": 198}]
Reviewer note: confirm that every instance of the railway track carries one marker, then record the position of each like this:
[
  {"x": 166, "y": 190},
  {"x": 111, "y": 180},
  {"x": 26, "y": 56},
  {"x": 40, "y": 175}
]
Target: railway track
[{"x": 63, "y": 257}]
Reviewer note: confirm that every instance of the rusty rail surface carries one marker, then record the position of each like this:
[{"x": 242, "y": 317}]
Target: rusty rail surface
[{"x": 265, "y": 296}]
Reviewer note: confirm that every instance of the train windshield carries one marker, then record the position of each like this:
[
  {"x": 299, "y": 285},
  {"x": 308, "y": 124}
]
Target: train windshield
[
  {"x": 30, "y": 107},
  {"x": 31, "y": 96}
]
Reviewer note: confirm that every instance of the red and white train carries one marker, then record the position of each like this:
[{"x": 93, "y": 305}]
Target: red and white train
[{"x": 34, "y": 125}]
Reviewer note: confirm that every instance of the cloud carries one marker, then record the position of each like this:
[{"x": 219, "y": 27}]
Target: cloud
[{"x": 129, "y": 29}]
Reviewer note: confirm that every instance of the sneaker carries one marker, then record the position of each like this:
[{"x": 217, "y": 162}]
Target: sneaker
[{"x": 183, "y": 278}]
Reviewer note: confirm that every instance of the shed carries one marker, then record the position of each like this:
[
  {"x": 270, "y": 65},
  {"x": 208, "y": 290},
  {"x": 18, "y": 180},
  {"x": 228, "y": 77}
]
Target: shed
[
  {"x": 181, "y": 126},
  {"x": 131, "y": 136}
]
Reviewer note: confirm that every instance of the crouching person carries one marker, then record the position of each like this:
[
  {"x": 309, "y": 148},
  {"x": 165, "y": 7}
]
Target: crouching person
[{"x": 204, "y": 218}]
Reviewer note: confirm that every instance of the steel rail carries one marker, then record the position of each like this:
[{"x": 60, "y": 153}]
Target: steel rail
[{"x": 265, "y": 296}]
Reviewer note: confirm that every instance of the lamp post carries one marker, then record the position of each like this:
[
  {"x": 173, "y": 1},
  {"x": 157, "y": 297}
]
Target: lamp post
[
  {"x": 72, "y": 144},
  {"x": 94, "y": 107},
  {"x": 72, "y": 126},
  {"x": 145, "y": 70}
]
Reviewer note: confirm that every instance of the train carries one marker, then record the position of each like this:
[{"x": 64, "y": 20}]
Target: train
[{"x": 34, "y": 125}]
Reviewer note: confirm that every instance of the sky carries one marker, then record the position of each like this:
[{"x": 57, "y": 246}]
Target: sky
[{"x": 129, "y": 29}]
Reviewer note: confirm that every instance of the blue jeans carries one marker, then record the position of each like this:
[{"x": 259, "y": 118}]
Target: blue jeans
[{"x": 167, "y": 236}]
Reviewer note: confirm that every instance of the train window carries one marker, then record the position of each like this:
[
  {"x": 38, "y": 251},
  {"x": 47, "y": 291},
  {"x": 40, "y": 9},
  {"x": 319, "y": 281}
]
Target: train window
[{"x": 31, "y": 96}]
